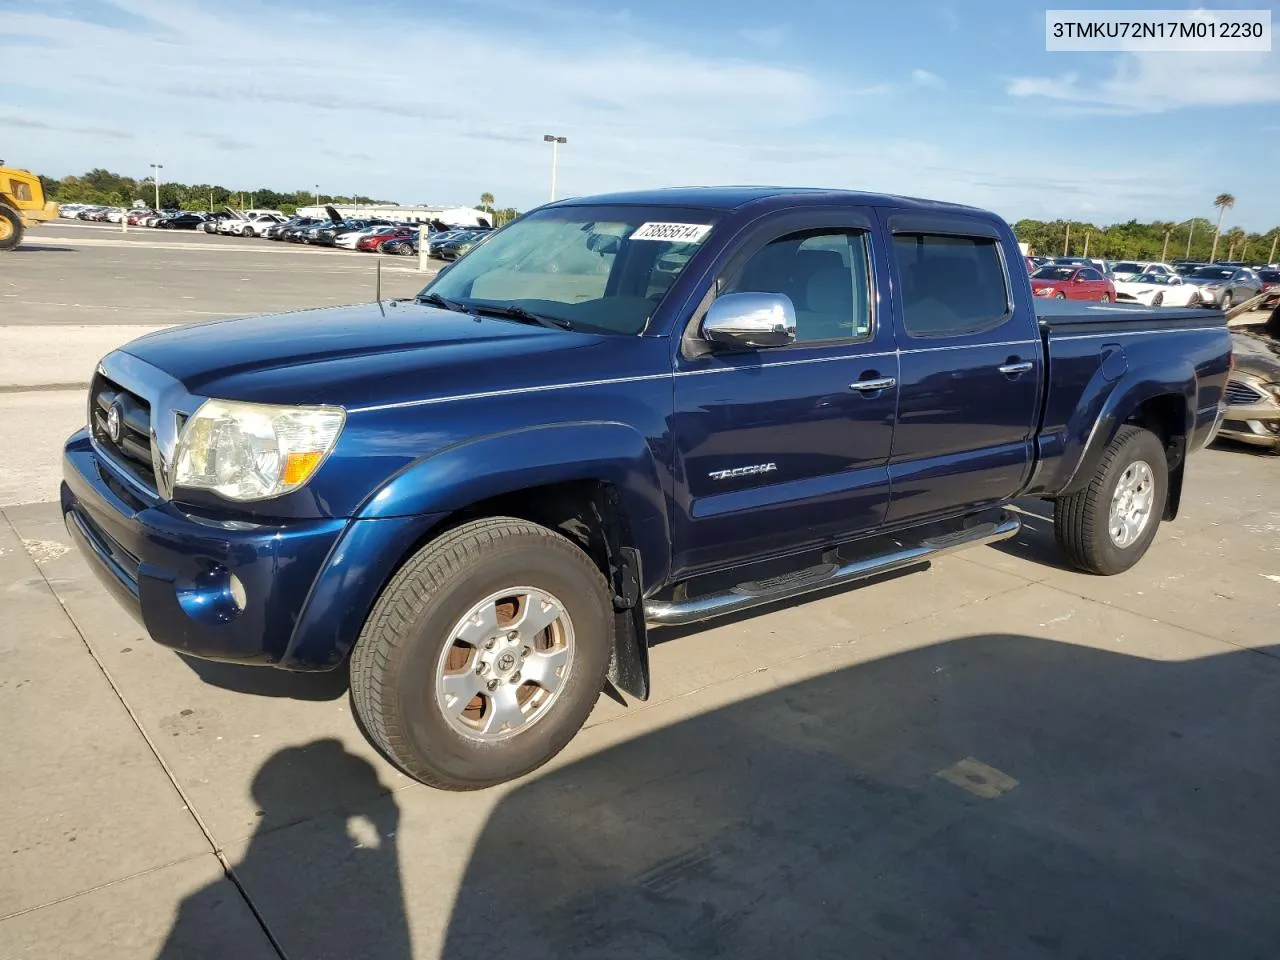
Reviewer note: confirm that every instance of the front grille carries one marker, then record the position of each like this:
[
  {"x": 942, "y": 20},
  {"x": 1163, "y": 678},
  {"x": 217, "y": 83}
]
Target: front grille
[
  {"x": 132, "y": 451},
  {"x": 1240, "y": 394}
]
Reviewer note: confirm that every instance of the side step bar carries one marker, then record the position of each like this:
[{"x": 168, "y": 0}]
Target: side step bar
[{"x": 747, "y": 595}]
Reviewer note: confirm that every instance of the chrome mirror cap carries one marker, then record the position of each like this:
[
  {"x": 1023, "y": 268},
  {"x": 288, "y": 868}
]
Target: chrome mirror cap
[{"x": 751, "y": 320}]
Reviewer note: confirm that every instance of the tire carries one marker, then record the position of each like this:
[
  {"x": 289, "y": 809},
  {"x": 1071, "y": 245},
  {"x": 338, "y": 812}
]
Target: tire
[
  {"x": 407, "y": 648},
  {"x": 247, "y": 232},
  {"x": 1158, "y": 300},
  {"x": 10, "y": 228},
  {"x": 1059, "y": 295},
  {"x": 1225, "y": 302},
  {"x": 1082, "y": 521},
  {"x": 1105, "y": 298}
]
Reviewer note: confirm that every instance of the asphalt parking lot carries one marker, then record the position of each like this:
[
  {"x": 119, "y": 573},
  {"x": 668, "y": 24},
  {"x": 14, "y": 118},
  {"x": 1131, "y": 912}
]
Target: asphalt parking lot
[{"x": 990, "y": 757}]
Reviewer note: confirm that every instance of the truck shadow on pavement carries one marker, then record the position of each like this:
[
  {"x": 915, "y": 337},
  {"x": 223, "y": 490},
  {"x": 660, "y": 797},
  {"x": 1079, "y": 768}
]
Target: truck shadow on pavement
[{"x": 991, "y": 796}]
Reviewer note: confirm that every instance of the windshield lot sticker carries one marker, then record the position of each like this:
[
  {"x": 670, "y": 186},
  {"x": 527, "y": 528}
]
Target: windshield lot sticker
[{"x": 672, "y": 232}]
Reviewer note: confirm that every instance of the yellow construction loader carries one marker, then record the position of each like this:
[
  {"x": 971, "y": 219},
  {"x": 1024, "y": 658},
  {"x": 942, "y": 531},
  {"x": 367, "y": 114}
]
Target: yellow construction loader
[{"x": 22, "y": 205}]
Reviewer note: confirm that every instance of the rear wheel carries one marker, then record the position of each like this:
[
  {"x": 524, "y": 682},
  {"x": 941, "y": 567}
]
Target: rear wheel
[
  {"x": 484, "y": 655},
  {"x": 1105, "y": 298},
  {"x": 10, "y": 228},
  {"x": 1108, "y": 526}
]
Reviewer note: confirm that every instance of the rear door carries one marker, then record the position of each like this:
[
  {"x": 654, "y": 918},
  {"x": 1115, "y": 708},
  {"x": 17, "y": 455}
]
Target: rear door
[
  {"x": 787, "y": 447},
  {"x": 1092, "y": 284},
  {"x": 970, "y": 365}
]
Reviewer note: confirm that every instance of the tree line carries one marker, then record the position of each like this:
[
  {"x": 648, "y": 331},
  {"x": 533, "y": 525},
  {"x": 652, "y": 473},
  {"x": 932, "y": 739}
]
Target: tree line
[
  {"x": 1196, "y": 239},
  {"x": 104, "y": 188}
]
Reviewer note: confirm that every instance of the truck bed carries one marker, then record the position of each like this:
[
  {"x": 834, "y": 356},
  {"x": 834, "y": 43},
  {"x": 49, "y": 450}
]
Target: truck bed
[{"x": 1066, "y": 316}]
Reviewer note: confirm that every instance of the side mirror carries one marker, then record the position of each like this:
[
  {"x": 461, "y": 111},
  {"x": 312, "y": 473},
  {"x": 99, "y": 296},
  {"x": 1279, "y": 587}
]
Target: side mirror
[{"x": 746, "y": 320}]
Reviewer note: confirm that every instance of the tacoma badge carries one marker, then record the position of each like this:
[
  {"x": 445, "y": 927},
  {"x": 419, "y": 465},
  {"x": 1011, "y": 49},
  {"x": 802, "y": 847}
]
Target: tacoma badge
[{"x": 750, "y": 471}]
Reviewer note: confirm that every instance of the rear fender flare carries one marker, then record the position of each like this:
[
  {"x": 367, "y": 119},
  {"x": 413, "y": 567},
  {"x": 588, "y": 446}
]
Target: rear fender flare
[{"x": 1136, "y": 387}]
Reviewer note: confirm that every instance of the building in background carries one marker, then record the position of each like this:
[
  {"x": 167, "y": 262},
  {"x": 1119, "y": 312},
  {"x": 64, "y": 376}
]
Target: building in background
[{"x": 453, "y": 216}]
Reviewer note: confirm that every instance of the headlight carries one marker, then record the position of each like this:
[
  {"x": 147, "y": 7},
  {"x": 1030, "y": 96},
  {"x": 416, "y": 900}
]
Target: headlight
[
  {"x": 253, "y": 451},
  {"x": 1045, "y": 292},
  {"x": 1274, "y": 388}
]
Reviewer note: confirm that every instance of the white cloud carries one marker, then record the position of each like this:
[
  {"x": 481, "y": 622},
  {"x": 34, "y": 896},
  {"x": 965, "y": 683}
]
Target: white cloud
[
  {"x": 1161, "y": 82},
  {"x": 923, "y": 78}
]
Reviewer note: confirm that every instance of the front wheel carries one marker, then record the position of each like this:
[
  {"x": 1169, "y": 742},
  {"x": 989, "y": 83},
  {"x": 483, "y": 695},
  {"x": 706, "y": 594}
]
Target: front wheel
[
  {"x": 1059, "y": 295},
  {"x": 484, "y": 654},
  {"x": 1226, "y": 300},
  {"x": 1157, "y": 300},
  {"x": 10, "y": 228},
  {"x": 1108, "y": 526}
]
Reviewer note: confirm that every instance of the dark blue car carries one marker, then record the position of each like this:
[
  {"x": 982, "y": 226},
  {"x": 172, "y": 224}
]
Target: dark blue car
[{"x": 618, "y": 413}]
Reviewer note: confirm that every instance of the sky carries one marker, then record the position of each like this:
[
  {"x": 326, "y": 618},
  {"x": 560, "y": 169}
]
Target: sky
[{"x": 438, "y": 102}]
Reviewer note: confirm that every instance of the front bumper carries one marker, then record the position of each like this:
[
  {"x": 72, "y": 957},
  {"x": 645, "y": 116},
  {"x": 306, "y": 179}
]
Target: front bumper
[
  {"x": 1256, "y": 423},
  {"x": 309, "y": 584}
]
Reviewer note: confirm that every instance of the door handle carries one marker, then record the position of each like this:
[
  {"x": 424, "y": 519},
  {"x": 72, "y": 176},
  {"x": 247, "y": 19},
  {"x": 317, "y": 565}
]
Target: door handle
[
  {"x": 869, "y": 386},
  {"x": 1010, "y": 369}
]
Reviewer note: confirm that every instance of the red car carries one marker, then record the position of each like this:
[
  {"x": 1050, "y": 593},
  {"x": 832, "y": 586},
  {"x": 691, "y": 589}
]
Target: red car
[
  {"x": 1270, "y": 288},
  {"x": 1072, "y": 283},
  {"x": 136, "y": 217},
  {"x": 374, "y": 241}
]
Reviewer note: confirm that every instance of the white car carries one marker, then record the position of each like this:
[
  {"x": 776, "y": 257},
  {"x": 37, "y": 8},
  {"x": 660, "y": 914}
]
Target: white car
[
  {"x": 1132, "y": 269},
  {"x": 250, "y": 224},
  {"x": 1158, "y": 290}
]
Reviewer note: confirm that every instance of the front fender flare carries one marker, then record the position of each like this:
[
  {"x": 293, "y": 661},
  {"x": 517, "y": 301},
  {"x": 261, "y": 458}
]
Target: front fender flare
[{"x": 459, "y": 476}]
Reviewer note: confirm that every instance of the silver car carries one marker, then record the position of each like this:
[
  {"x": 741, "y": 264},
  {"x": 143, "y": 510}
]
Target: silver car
[
  {"x": 1224, "y": 286},
  {"x": 1253, "y": 392}
]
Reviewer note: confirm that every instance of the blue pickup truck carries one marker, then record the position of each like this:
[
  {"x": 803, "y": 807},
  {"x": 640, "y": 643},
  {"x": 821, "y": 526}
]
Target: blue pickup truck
[{"x": 619, "y": 413}]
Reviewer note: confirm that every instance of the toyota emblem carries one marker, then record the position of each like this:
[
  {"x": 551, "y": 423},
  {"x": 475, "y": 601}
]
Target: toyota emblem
[{"x": 115, "y": 428}]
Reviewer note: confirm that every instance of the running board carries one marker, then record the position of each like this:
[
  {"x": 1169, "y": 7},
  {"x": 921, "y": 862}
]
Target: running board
[{"x": 758, "y": 593}]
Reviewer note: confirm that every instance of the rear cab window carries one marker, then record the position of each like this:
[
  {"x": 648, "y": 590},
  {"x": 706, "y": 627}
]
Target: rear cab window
[{"x": 951, "y": 284}]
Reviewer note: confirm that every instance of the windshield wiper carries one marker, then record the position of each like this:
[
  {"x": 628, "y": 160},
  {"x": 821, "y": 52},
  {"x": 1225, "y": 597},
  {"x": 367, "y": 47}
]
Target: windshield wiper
[
  {"x": 438, "y": 301},
  {"x": 514, "y": 312}
]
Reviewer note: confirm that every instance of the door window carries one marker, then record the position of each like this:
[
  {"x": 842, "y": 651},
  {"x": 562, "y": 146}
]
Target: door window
[
  {"x": 951, "y": 285},
  {"x": 1093, "y": 276},
  {"x": 21, "y": 190},
  {"x": 825, "y": 275}
]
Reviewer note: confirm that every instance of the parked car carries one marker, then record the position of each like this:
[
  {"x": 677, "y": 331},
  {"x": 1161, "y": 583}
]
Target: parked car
[
  {"x": 136, "y": 217},
  {"x": 1253, "y": 392},
  {"x": 69, "y": 211},
  {"x": 1158, "y": 289},
  {"x": 350, "y": 239},
  {"x": 375, "y": 241},
  {"x": 457, "y": 249},
  {"x": 182, "y": 221},
  {"x": 1185, "y": 268},
  {"x": 212, "y": 220},
  {"x": 483, "y": 497},
  {"x": 1072, "y": 283},
  {"x": 1270, "y": 278},
  {"x": 277, "y": 231},
  {"x": 401, "y": 246},
  {"x": 1131, "y": 269},
  {"x": 1225, "y": 286}
]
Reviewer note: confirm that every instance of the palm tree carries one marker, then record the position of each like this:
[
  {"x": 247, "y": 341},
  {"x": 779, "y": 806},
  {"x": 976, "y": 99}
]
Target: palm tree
[
  {"x": 1167, "y": 228},
  {"x": 1222, "y": 201},
  {"x": 1234, "y": 236},
  {"x": 486, "y": 202}
]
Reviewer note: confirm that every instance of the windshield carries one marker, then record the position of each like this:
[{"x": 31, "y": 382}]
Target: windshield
[
  {"x": 1156, "y": 278},
  {"x": 1211, "y": 273},
  {"x": 1127, "y": 268},
  {"x": 594, "y": 267},
  {"x": 1053, "y": 273},
  {"x": 1269, "y": 276}
]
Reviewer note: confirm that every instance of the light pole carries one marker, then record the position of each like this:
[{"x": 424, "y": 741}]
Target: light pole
[
  {"x": 155, "y": 179},
  {"x": 316, "y": 194},
  {"x": 555, "y": 144}
]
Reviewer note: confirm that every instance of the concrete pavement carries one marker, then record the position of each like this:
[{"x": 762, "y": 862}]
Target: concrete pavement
[{"x": 792, "y": 787}]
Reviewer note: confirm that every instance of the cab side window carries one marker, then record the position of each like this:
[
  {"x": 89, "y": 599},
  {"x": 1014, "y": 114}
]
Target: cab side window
[
  {"x": 951, "y": 285},
  {"x": 824, "y": 272},
  {"x": 21, "y": 191}
]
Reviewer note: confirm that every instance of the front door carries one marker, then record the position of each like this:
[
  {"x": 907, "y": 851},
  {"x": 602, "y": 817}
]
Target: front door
[
  {"x": 787, "y": 447},
  {"x": 971, "y": 368}
]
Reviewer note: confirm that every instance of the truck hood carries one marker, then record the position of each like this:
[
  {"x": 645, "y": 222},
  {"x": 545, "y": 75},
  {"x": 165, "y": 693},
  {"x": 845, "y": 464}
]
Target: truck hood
[{"x": 363, "y": 355}]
